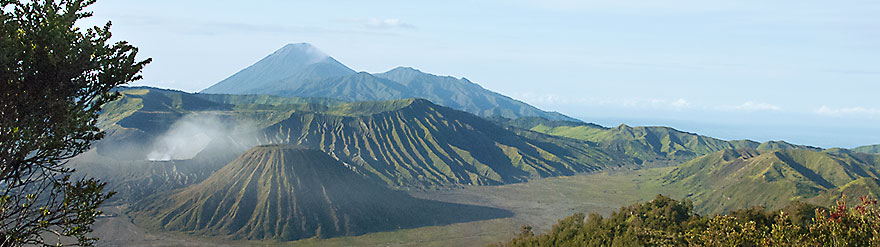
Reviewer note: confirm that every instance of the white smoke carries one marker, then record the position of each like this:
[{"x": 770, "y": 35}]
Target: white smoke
[
  {"x": 315, "y": 55},
  {"x": 190, "y": 135}
]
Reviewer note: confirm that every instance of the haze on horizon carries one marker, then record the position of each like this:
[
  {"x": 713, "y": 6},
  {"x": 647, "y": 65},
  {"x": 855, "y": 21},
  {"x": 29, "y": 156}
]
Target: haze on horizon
[{"x": 801, "y": 71}]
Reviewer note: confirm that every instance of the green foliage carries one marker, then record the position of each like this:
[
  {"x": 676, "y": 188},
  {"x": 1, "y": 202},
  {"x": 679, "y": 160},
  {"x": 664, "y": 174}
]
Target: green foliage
[
  {"x": 666, "y": 222},
  {"x": 54, "y": 78},
  {"x": 660, "y": 222}
]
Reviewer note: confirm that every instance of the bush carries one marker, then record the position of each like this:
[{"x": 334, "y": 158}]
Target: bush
[{"x": 667, "y": 222}]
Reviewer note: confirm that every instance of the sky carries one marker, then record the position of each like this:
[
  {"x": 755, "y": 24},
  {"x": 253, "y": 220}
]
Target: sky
[{"x": 803, "y": 71}]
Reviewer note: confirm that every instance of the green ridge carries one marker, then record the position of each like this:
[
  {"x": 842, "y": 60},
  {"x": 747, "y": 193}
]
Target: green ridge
[
  {"x": 732, "y": 179},
  {"x": 646, "y": 143},
  {"x": 659, "y": 144},
  {"x": 871, "y": 149}
]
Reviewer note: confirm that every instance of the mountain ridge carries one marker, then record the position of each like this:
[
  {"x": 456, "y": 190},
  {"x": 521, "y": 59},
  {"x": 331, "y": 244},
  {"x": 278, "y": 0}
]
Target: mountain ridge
[
  {"x": 731, "y": 179},
  {"x": 871, "y": 149},
  {"x": 648, "y": 143}
]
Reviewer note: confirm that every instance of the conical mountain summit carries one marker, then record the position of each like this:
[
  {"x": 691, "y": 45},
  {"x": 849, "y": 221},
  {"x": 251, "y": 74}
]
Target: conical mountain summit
[{"x": 293, "y": 62}]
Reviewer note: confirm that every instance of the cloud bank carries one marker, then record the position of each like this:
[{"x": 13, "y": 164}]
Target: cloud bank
[
  {"x": 757, "y": 106},
  {"x": 377, "y": 23},
  {"x": 643, "y": 103},
  {"x": 848, "y": 111}
]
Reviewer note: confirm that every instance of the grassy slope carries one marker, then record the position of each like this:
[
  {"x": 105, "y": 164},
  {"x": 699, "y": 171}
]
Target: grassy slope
[
  {"x": 774, "y": 145},
  {"x": 871, "y": 149},
  {"x": 645, "y": 143},
  {"x": 733, "y": 179}
]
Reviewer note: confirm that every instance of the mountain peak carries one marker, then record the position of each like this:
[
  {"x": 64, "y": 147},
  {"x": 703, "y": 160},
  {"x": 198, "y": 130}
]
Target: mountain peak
[
  {"x": 419, "y": 103},
  {"x": 292, "y": 64},
  {"x": 300, "y": 45},
  {"x": 405, "y": 69},
  {"x": 304, "y": 53},
  {"x": 404, "y": 74}
]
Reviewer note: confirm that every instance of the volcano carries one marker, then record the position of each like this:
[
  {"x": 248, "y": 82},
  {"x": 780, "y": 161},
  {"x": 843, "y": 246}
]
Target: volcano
[{"x": 288, "y": 192}]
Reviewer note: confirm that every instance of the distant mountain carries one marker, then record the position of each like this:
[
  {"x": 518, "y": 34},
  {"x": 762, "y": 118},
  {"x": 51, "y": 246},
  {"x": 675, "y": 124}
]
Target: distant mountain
[
  {"x": 464, "y": 95},
  {"x": 302, "y": 70},
  {"x": 284, "y": 193},
  {"x": 871, "y": 149},
  {"x": 292, "y": 63},
  {"x": 733, "y": 179},
  {"x": 776, "y": 145}
]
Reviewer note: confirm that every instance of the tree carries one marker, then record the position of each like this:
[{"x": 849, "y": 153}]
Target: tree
[{"x": 54, "y": 78}]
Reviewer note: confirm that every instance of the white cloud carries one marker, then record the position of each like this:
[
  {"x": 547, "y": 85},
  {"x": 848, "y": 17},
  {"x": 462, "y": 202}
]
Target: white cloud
[
  {"x": 676, "y": 104},
  {"x": 546, "y": 99},
  {"x": 757, "y": 106},
  {"x": 554, "y": 99},
  {"x": 674, "y": 6},
  {"x": 377, "y": 23},
  {"x": 847, "y": 111},
  {"x": 680, "y": 103}
]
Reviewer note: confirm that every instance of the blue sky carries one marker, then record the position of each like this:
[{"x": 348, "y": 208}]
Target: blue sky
[{"x": 802, "y": 71}]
